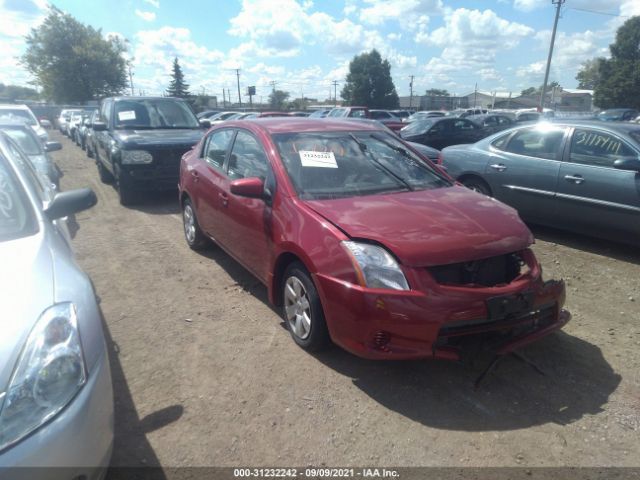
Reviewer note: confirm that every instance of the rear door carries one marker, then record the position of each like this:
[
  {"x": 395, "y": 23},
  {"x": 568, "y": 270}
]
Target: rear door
[
  {"x": 245, "y": 223},
  {"x": 525, "y": 173},
  {"x": 592, "y": 194},
  {"x": 465, "y": 131},
  {"x": 209, "y": 180},
  {"x": 439, "y": 135}
]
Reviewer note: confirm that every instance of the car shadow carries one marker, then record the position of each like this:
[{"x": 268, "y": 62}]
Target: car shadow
[
  {"x": 131, "y": 449},
  {"x": 577, "y": 379},
  {"x": 158, "y": 203},
  {"x": 598, "y": 246}
]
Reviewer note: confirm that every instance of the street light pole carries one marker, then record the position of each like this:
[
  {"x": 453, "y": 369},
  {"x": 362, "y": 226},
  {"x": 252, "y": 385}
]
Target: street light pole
[{"x": 558, "y": 4}]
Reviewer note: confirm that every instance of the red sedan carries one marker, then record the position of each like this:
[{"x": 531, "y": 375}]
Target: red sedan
[{"x": 365, "y": 243}]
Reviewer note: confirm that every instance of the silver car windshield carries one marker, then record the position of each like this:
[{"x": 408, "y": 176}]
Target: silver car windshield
[
  {"x": 328, "y": 165},
  {"x": 17, "y": 218}
]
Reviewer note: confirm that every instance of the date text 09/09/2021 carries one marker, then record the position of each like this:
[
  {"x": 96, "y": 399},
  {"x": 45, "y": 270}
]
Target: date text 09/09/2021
[{"x": 315, "y": 473}]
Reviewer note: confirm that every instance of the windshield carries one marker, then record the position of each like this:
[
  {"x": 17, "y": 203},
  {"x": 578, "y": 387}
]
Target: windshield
[
  {"x": 418, "y": 127},
  {"x": 16, "y": 216},
  {"x": 154, "y": 113},
  {"x": 345, "y": 164},
  {"x": 28, "y": 144},
  {"x": 10, "y": 115}
]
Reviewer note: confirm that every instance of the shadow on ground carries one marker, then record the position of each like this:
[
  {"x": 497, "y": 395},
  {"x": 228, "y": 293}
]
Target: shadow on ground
[
  {"x": 577, "y": 382},
  {"x": 607, "y": 248},
  {"x": 131, "y": 447}
]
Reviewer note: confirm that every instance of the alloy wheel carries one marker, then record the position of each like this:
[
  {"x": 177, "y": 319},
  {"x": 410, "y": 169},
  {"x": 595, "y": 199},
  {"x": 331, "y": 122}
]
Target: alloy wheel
[{"x": 297, "y": 308}]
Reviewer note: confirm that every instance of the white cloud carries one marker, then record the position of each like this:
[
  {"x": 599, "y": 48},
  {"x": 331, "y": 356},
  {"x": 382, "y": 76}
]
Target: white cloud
[
  {"x": 412, "y": 14},
  {"x": 154, "y": 3},
  {"x": 146, "y": 16}
]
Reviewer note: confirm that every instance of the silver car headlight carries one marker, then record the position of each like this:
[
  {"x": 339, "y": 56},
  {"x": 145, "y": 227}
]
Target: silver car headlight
[
  {"x": 134, "y": 157},
  {"x": 376, "y": 267},
  {"x": 48, "y": 374}
]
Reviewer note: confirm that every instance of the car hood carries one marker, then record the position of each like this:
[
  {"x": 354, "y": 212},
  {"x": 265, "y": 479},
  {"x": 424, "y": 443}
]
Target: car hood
[
  {"x": 430, "y": 227},
  {"x": 159, "y": 137},
  {"x": 26, "y": 290}
]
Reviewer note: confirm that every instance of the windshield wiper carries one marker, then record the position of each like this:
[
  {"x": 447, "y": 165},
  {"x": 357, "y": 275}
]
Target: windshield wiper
[{"x": 365, "y": 150}]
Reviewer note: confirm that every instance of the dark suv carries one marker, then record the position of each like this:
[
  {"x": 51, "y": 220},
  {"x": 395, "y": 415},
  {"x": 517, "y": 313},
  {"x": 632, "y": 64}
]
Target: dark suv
[{"x": 139, "y": 142}]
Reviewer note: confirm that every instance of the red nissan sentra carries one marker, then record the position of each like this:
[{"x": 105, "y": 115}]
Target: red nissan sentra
[{"x": 365, "y": 243}]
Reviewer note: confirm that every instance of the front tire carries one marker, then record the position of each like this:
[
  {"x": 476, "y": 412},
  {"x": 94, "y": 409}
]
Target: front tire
[
  {"x": 103, "y": 173},
  {"x": 302, "y": 310},
  {"x": 192, "y": 233},
  {"x": 126, "y": 194}
]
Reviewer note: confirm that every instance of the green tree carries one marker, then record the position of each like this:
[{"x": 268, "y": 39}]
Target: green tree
[
  {"x": 73, "y": 62},
  {"x": 369, "y": 82},
  {"x": 619, "y": 81},
  {"x": 437, "y": 92},
  {"x": 537, "y": 91},
  {"x": 15, "y": 92},
  {"x": 529, "y": 91},
  {"x": 589, "y": 75},
  {"x": 278, "y": 99},
  {"x": 178, "y": 87}
]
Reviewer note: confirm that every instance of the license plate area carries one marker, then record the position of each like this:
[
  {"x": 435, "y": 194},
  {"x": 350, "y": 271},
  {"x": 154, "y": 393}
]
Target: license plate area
[{"x": 506, "y": 306}]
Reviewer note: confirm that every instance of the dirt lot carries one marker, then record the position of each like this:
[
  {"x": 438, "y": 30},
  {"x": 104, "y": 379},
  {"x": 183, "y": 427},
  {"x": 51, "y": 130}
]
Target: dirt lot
[{"x": 206, "y": 374}]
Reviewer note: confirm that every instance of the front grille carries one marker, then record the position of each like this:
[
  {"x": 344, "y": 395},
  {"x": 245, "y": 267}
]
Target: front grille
[
  {"x": 515, "y": 326},
  {"x": 488, "y": 272},
  {"x": 170, "y": 156}
]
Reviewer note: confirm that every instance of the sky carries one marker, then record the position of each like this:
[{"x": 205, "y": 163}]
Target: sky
[{"x": 304, "y": 45}]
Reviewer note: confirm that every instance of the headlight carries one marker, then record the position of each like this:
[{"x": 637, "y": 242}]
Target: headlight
[
  {"x": 376, "y": 267},
  {"x": 48, "y": 374},
  {"x": 130, "y": 157}
]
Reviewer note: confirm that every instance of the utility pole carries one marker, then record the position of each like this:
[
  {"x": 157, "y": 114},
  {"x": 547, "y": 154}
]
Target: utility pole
[
  {"x": 131, "y": 80},
  {"x": 335, "y": 92},
  {"x": 411, "y": 92},
  {"x": 239, "y": 97},
  {"x": 224, "y": 99},
  {"x": 558, "y": 4},
  {"x": 475, "y": 95}
]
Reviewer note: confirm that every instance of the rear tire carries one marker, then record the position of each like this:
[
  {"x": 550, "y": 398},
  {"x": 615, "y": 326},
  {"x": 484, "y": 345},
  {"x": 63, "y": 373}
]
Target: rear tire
[
  {"x": 477, "y": 185},
  {"x": 192, "y": 232},
  {"x": 302, "y": 310}
]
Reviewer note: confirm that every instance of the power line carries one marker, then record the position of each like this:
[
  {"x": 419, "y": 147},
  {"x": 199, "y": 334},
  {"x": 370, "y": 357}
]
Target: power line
[{"x": 599, "y": 13}]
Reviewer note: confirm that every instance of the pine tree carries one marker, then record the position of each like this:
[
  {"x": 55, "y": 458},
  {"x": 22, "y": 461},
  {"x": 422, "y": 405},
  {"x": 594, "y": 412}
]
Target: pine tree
[{"x": 177, "y": 86}]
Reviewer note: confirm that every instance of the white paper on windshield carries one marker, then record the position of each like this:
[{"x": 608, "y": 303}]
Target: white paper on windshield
[
  {"x": 126, "y": 115},
  {"x": 317, "y": 159}
]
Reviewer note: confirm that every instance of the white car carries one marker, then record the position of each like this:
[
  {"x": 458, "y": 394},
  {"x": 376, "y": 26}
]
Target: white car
[
  {"x": 63, "y": 119},
  {"x": 10, "y": 113}
]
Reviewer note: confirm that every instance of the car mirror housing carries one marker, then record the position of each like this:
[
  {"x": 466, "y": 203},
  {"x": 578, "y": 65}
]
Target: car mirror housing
[
  {"x": 99, "y": 126},
  {"x": 205, "y": 123},
  {"x": 70, "y": 202},
  {"x": 52, "y": 146},
  {"x": 632, "y": 164},
  {"x": 252, "y": 187}
]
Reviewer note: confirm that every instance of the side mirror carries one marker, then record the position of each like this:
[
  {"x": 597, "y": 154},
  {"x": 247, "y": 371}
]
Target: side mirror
[
  {"x": 632, "y": 164},
  {"x": 252, "y": 187},
  {"x": 205, "y": 123},
  {"x": 70, "y": 202},
  {"x": 99, "y": 126},
  {"x": 52, "y": 146}
]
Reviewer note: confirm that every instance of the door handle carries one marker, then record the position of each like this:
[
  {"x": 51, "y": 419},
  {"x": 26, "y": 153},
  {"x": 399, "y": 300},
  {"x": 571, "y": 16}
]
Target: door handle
[
  {"x": 499, "y": 167},
  {"x": 225, "y": 199},
  {"x": 577, "y": 179}
]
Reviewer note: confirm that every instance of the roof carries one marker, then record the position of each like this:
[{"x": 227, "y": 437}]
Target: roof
[{"x": 302, "y": 124}]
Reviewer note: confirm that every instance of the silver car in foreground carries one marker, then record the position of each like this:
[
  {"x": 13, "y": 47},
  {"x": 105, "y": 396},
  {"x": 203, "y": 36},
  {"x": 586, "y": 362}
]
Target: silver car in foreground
[{"x": 56, "y": 397}]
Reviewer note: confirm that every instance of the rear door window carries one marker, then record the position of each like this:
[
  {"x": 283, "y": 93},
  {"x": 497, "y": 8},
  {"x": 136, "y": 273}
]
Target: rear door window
[
  {"x": 216, "y": 148},
  {"x": 536, "y": 142}
]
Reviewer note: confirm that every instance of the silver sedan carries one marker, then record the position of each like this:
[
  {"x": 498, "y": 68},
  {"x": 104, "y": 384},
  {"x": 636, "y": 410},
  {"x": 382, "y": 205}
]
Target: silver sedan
[{"x": 56, "y": 397}]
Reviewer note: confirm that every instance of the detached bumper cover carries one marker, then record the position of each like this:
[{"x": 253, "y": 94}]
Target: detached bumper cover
[{"x": 389, "y": 324}]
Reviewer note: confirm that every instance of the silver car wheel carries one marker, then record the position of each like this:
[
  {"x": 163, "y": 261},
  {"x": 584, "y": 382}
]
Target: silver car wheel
[
  {"x": 189, "y": 220},
  {"x": 297, "y": 308}
]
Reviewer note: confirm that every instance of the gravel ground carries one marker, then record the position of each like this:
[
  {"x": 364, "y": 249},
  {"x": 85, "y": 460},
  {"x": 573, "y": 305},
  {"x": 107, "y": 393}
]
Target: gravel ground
[{"x": 206, "y": 374}]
